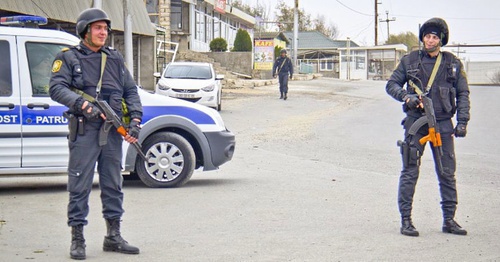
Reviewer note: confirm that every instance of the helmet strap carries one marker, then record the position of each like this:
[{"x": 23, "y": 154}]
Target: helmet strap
[{"x": 88, "y": 39}]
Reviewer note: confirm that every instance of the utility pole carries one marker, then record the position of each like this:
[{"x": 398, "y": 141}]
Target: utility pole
[
  {"x": 376, "y": 22},
  {"x": 127, "y": 36},
  {"x": 460, "y": 52},
  {"x": 295, "y": 31},
  {"x": 387, "y": 20}
]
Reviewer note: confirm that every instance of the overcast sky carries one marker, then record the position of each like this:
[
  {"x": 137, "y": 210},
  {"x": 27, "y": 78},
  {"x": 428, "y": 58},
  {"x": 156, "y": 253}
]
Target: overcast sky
[{"x": 469, "y": 21}]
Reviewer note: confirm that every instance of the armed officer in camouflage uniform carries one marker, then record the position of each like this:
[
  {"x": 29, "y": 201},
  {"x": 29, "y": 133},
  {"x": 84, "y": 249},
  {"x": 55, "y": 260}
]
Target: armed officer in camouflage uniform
[
  {"x": 449, "y": 92},
  {"x": 284, "y": 68},
  {"x": 80, "y": 67}
]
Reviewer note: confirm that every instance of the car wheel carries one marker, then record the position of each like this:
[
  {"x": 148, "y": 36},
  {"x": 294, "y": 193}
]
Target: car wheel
[
  {"x": 171, "y": 160},
  {"x": 219, "y": 103}
]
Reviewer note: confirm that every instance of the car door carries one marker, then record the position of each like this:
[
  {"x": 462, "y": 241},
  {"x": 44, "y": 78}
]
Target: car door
[
  {"x": 44, "y": 129},
  {"x": 10, "y": 109}
]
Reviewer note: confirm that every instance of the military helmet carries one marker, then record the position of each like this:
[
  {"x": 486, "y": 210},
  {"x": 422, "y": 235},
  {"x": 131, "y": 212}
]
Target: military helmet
[
  {"x": 435, "y": 25},
  {"x": 89, "y": 16}
]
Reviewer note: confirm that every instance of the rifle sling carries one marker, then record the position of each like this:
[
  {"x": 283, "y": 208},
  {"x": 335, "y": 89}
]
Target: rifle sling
[{"x": 431, "y": 79}]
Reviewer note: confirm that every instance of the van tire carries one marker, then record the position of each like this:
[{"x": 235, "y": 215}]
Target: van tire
[{"x": 171, "y": 160}]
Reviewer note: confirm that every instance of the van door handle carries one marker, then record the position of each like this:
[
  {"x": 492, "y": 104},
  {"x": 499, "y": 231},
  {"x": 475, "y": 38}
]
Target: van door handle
[
  {"x": 8, "y": 105},
  {"x": 42, "y": 105}
]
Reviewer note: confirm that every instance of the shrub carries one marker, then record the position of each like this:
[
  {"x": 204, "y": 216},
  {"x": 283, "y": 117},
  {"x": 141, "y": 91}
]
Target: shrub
[
  {"x": 277, "y": 51},
  {"x": 243, "y": 42},
  {"x": 218, "y": 45}
]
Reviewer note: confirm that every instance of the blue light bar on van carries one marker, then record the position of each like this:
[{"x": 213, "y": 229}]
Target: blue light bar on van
[{"x": 21, "y": 20}]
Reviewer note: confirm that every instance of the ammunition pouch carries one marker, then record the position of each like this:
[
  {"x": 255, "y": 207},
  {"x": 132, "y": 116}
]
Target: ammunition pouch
[{"x": 410, "y": 154}]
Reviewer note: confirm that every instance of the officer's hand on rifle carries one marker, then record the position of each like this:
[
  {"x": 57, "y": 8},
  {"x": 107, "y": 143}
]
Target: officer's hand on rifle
[
  {"x": 413, "y": 101},
  {"x": 89, "y": 110},
  {"x": 133, "y": 130},
  {"x": 460, "y": 130}
]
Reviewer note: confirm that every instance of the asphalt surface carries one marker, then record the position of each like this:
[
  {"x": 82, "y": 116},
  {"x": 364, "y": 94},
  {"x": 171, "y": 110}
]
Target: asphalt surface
[{"x": 313, "y": 178}]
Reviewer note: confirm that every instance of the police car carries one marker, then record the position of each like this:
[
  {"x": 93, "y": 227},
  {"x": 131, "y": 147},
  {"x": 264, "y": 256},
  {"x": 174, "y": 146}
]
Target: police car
[{"x": 177, "y": 136}]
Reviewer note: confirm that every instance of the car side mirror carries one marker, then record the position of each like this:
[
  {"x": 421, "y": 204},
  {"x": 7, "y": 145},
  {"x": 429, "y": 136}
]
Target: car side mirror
[
  {"x": 219, "y": 77},
  {"x": 157, "y": 74}
]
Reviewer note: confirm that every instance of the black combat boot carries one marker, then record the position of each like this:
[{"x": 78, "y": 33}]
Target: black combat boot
[
  {"x": 281, "y": 95},
  {"x": 285, "y": 97},
  {"x": 450, "y": 226},
  {"x": 407, "y": 227},
  {"x": 77, "y": 243},
  {"x": 114, "y": 241}
]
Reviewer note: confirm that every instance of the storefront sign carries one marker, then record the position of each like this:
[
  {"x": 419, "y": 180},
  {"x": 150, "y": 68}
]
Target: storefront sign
[
  {"x": 220, "y": 6},
  {"x": 264, "y": 55}
]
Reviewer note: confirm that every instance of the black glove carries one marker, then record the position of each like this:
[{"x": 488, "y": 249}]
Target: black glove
[
  {"x": 90, "y": 111},
  {"x": 134, "y": 128},
  {"x": 412, "y": 100},
  {"x": 274, "y": 76},
  {"x": 291, "y": 76},
  {"x": 461, "y": 130}
]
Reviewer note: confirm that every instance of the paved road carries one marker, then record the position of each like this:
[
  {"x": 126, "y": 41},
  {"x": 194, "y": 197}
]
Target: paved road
[{"x": 314, "y": 178}]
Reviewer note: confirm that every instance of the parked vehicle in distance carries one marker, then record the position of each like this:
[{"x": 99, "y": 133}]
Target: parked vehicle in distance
[
  {"x": 191, "y": 81},
  {"x": 177, "y": 136}
]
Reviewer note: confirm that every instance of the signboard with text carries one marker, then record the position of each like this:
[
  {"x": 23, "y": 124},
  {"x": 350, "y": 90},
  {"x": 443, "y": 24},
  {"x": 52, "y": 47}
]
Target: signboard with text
[
  {"x": 264, "y": 55},
  {"x": 220, "y": 6}
]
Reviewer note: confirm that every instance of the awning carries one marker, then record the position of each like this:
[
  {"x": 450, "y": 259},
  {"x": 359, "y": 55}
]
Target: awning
[{"x": 68, "y": 11}]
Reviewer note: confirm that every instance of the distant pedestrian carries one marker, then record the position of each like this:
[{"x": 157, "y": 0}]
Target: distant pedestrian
[{"x": 283, "y": 67}]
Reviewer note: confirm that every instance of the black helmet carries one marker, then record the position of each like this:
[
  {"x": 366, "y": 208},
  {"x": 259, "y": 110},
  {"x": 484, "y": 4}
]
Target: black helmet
[
  {"x": 89, "y": 16},
  {"x": 283, "y": 51},
  {"x": 435, "y": 25}
]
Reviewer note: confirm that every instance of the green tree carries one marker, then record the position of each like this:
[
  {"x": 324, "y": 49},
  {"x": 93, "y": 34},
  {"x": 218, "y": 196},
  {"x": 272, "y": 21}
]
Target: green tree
[
  {"x": 277, "y": 51},
  {"x": 218, "y": 45},
  {"x": 409, "y": 39},
  {"x": 242, "y": 42}
]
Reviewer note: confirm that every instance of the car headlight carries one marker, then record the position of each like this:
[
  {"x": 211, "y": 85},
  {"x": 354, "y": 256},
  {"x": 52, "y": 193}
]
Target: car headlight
[
  {"x": 209, "y": 88},
  {"x": 163, "y": 87}
]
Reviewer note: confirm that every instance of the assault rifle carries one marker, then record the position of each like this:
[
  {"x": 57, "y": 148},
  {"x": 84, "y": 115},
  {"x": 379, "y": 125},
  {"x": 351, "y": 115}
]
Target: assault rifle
[
  {"x": 114, "y": 120},
  {"x": 429, "y": 118}
]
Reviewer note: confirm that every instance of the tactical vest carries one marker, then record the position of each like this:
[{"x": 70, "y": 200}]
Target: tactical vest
[
  {"x": 87, "y": 71},
  {"x": 443, "y": 92}
]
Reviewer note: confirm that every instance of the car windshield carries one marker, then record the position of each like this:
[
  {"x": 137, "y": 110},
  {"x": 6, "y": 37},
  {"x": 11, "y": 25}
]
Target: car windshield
[{"x": 188, "y": 72}]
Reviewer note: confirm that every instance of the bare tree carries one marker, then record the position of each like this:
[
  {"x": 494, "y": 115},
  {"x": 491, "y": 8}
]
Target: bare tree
[
  {"x": 284, "y": 15},
  {"x": 329, "y": 29},
  {"x": 260, "y": 11}
]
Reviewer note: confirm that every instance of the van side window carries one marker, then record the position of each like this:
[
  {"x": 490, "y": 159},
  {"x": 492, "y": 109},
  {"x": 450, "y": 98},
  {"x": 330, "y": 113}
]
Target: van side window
[
  {"x": 40, "y": 59},
  {"x": 5, "y": 70}
]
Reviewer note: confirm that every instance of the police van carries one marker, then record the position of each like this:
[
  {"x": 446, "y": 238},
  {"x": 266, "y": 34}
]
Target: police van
[{"x": 177, "y": 136}]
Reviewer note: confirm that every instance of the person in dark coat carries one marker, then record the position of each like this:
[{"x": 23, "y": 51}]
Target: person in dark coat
[
  {"x": 283, "y": 67},
  {"x": 439, "y": 76},
  {"x": 77, "y": 80}
]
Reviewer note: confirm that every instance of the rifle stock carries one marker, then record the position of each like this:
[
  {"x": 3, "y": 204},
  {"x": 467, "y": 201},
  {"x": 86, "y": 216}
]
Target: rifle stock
[{"x": 112, "y": 118}]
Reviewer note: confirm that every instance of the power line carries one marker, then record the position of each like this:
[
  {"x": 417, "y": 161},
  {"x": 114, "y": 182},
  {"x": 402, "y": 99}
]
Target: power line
[{"x": 352, "y": 9}]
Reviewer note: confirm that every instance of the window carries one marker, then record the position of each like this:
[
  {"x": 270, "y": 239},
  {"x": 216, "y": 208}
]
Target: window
[
  {"x": 40, "y": 58},
  {"x": 5, "y": 70},
  {"x": 326, "y": 65},
  {"x": 175, "y": 14}
]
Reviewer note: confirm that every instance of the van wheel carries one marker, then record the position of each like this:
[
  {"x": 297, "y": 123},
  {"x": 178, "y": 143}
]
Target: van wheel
[{"x": 171, "y": 160}]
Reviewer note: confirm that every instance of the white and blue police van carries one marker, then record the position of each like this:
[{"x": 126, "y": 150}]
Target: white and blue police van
[{"x": 177, "y": 136}]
